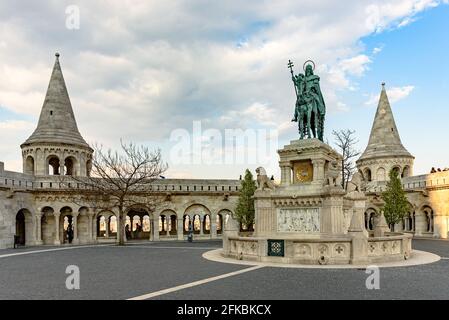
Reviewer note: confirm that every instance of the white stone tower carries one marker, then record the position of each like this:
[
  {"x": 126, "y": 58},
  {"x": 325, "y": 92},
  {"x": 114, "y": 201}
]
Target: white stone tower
[
  {"x": 56, "y": 147},
  {"x": 385, "y": 150}
]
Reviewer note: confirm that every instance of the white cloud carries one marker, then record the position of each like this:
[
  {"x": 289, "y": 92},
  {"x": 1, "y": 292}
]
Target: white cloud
[
  {"x": 139, "y": 69},
  {"x": 394, "y": 94}
]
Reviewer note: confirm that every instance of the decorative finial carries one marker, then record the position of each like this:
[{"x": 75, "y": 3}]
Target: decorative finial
[
  {"x": 383, "y": 84},
  {"x": 57, "y": 54}
]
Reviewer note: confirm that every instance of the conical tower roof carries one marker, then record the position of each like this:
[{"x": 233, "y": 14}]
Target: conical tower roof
[
  {"x": 57, "y": 122},
  {"x": 384, "y": 140}
]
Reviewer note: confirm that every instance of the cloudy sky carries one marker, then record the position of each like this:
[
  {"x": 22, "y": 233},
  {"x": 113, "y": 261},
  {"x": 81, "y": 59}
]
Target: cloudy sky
[{"x": 151, "y": 71}]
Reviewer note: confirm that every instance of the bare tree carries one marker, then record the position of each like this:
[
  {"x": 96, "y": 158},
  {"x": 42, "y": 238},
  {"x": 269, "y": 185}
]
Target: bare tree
[
  {"x": 345, "y": 141},
  {"x": 122, "y": 180}
]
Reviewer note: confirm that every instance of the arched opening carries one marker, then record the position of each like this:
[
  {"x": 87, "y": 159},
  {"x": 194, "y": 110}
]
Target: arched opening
[
  {"x": 139, "y": 224},
  {"x": 206, "y": 224},
  {"x": 406, "y": 172},
  {"x": 173, "y": 228},
  {"x": 29, "y": 165},
  {"x": 186, "y": 224},
  {"x": 128, "y": 227},
  {"x": 370, "y": 216},
  {"x": 113, "y": 226},
  {"x": 136, "y": 227},
  {"x": 219, "y": 223},
  {"x": 162, "y": 224},
  {"x": 197, "y": 211},
  {"x": 53, "y": 166},
  {"x": 20, "y": 227},
  {"x": 428, "y": 212},
  {"x": 221, "y": 220},
  {"x": 146, "y": 227},
  {"x": 381, "y": 174},
  {"x": 196, "y": 224},
  {"x": 70, "y": 166},
  {"x": 397, "y": 170},
  {"x": 66, "y": 227},
  {"x": 101, "y": 226},
  {"x": 409, "y": 221},
  {"x": 367, "y": 174}
]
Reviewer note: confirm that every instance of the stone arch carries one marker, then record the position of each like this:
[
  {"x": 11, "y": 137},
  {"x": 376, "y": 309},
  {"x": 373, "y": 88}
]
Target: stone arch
[
  {"x": 370, "y": 215},
  {"x": 197, "y": 212},
  {"x": 429, "y": 215},
  {"x": 29, "y": 165},
  {"x": 24, "y": 225},
  {"x": 101, "y": 225},
  {"x": 53, "y": 165},
  {"x": 223, "y": 216},
  {"x": 66, "y": 224},
  {"x": 71, "y": 166},
  {"x": 135, "y": 220},
  {"x": 381, "y": 174},
  {"x": 397, "y": 169},
  {"x": 367, "y": 174},
  {"x": 405, "y": 172},
  {"x": 170, "y": 222}
]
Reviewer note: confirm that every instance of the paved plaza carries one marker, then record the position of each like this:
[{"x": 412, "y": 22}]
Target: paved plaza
[{"x": 146, "y": 270}]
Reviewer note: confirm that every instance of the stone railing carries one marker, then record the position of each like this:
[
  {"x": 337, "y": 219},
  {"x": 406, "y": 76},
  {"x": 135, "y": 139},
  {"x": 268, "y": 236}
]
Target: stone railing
[
  {"x": 421, "y": 182},
  {"x": 16, "y": 180}
]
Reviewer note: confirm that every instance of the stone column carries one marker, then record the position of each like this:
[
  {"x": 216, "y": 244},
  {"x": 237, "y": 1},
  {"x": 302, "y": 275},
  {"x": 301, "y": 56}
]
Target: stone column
[
  {"x": 38, "y": 235},
  {"x": 168, "y": 219},
  {"x": 180, "y": 229},
  {"x": 61, "y": 166},
  {"x": 57, "y": 240},
  {"x": 90, "y": 227},
  {"x": 357, "y": 230},
  {"x": 156, "y": 229},
  {"x": 106, "y": 222},
  {"x": 75, "y": 228},
  {"x": 202, "y": 225},
  {"x": 286, "y": 173},
  {"x": 213, "y": 226}
]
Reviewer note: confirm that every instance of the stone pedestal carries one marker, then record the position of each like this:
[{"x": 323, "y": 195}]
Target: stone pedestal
[
  {"x": 306, "y": 204},
  {"x": 302, "y": 221},
  {"x": 359, "y": 249}
]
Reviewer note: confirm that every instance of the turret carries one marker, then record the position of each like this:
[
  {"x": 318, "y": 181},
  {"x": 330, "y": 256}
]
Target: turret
[
  {"x": 56, "y": 147},
  {"x": 385, "y": 150}
]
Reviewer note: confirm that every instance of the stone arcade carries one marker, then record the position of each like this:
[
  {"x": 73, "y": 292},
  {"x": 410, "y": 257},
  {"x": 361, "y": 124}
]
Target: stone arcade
[{"x": 38, "y": 209}]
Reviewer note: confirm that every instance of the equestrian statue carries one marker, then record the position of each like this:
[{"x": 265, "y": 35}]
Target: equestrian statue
[{"x": 310, "y": 108}]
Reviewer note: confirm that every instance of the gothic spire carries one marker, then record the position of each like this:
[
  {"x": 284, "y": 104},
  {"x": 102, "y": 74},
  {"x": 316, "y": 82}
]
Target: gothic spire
[
  {"x": 57, "y": 122},
  {"x": 384, "y": 140}
]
